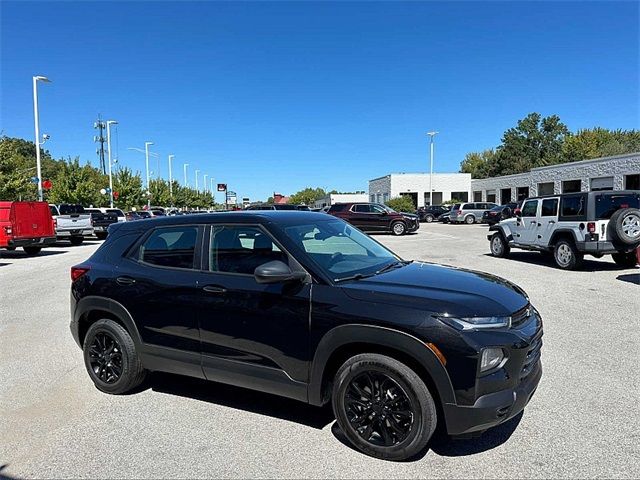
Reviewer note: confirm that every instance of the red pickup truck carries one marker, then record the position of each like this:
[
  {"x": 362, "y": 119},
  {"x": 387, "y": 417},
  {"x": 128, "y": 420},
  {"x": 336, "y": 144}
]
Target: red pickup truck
[{"x": 26, "y": 224}]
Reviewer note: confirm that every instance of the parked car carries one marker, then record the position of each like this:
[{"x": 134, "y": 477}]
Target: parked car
[
  {"x": 101, "y": 221},
  {"x": 119, "y": 213},
  {"x": 469, "y": 212},
  {"x": 445, "y": 217},
  {"x": 499, "y": 212},
  {"x": 432, "y": 212},
  {"x": 375, "y": 217},
  {"x": 71, "y": 222},
  {"x": 396, "y": 347},
  {"x": 143, "y": 214},
  {"x": 277, "y": 206},
  {"x": 572, "y": 225},
  {"x": 131, "y": 216},
  {"x": 26, "y": 224}
]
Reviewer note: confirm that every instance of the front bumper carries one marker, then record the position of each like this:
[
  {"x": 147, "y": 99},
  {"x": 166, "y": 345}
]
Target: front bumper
[
  {"x": 32, "y": 242},
  {"x": 492, "y": 409}
]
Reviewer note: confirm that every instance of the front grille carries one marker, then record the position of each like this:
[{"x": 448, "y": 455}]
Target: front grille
[
  {"x": 533, "y": 355},
  {"x": 521, "y": 316}
]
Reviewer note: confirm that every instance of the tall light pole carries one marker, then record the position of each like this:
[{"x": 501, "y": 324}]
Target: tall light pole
[
  {"x": 36, "y": 120},
  {"x": 186, "y": 180},
  {"x": 146, "y": 156},
  {"x": 431, "y": 135},
  {"x": 170, "y": 178},
  {"x": 109, "y": 123},
  {"x": 213, "y": 192},
  {"x": 197, "y": 172},
  {"x": 204, "y": 182}
]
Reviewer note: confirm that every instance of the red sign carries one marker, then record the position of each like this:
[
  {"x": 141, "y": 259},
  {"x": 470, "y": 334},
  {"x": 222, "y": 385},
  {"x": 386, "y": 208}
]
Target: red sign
[
  {"x": 46, "y": 184},
  {"x": 116, "y": 195},
  {"x": 222, "y": 187}
]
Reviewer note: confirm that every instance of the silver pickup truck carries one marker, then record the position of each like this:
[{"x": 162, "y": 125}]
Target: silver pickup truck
[{"x": 72, "y": 223}]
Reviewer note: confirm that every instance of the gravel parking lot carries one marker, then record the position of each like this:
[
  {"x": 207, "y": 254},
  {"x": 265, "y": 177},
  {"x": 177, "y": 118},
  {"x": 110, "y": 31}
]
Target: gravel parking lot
[{"x": 583, "y": 421}]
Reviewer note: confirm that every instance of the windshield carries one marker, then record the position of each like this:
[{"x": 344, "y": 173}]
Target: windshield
[{"x": 339, "y": 249}]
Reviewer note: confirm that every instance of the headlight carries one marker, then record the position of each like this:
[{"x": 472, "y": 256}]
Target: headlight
[
  {"x": 491, "y": 358},
  {"x": 476, "y": 323}
]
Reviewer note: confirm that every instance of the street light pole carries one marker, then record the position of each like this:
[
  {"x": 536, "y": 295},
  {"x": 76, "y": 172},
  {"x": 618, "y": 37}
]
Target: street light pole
[
  {"x": 146, "y": 154},
  {"x": 431, "y": 135},
  {"x": 186, "y": 181},
  {"x": 109, "y": 123},
  {"x": 197, "y": 172},
  {"x": 213, "y": 192},
  {"x": 36, "y": 119},
  {"x": 204, "y": 183},
  {"x": 170, "y": 178}
]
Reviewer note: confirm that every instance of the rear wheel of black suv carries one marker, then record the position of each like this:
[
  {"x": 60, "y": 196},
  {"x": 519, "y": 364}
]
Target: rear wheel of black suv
[
  {"x": 567, "y": 255},
  {"x": 625, "y": 260},
  {"x": 383, "y": 407},
  {"x": 111, "y": 359}
]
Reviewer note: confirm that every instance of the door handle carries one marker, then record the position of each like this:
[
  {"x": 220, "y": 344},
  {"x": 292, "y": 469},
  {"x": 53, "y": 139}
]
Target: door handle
[
  {"x": 533, "y": 222},
  {"x": 214, "y": 289},
  {"x": 125, "y": 281},
  {"x": 552, "y": 221}
]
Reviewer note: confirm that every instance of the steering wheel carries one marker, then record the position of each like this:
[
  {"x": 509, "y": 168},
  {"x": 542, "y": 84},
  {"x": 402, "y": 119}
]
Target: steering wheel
[{"x": 335, "y": 258}]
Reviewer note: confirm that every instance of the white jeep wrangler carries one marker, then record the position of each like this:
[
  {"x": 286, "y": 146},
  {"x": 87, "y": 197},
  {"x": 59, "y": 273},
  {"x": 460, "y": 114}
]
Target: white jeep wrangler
[{"x": 568, "y": 226}]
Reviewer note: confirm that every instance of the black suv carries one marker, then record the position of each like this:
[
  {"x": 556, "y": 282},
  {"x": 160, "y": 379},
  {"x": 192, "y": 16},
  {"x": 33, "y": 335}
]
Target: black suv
[
  {"x": 432, "y": 212},
  {"x": 306, "y": 306}
]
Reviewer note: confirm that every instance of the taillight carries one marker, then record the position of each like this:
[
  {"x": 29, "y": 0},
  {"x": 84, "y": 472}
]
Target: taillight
[
  {"x": 55, "y": 223},
  {"x": 591, "y": 227},
  {"x": 8, "y": 230},
  {"x": 77, "y": 272}
]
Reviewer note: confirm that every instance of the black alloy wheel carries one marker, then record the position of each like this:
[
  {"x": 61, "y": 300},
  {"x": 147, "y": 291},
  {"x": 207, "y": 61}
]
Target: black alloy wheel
[
  {"x": 105, "y": 358},
  {"x": 378, "y": 409}
]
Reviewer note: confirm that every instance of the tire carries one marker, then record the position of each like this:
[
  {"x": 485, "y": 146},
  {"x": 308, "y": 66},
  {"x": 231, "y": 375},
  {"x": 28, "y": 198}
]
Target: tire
[
  {"x": 32, "y": 250},
  {"x": 625, "y": 260},
  {"x": 624, "y": 226},
  {"x": 389, "y": 436},
  {"x": 566, "y": 255},
  {"x": 101, "y": 235},
  {"x": 103, "y": 371},
  {"x": 469, "y": 219},
  {"x": 428, "y": 218},
  {"x": 75, "y": 241},
  {"x": 398, "y": 228},
  {"x": 499, "y": 246},
  {"x": 10, "y": 249}
]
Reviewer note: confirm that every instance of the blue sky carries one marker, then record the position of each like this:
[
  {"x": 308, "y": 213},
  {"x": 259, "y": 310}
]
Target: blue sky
[{"x": 279, "y": 96}]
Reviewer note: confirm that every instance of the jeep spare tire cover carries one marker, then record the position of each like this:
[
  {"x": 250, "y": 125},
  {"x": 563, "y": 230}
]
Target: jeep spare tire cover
[{"x": 624, "y": 226}]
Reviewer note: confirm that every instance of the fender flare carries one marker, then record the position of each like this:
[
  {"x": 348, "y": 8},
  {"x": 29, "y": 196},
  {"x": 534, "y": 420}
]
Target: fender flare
[
  {"x": 92, "y": 303},
  {"x": 500, "y": 228},
  {"x": 563, "y": 231},
  {"x": 380, "y": 336}
]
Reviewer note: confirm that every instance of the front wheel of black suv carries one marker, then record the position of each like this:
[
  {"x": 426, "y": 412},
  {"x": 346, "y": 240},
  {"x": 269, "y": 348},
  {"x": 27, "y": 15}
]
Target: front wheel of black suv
[
  {"x": 567, "y": 255},
  {"x": 398, "y": 228},
  {"x": 383, "y": 407},
  {"x": 625, "y": 260},
  {"x": 111, "y": 359}
]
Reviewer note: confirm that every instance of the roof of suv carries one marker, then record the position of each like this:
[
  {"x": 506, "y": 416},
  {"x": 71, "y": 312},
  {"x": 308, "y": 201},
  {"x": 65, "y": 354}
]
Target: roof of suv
[
  {"x": 593, "y": 192},
  {"x": 285, "y": 217}
]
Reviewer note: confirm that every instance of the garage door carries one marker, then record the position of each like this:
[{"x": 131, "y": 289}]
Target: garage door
[{"x": 602, "y": 183}]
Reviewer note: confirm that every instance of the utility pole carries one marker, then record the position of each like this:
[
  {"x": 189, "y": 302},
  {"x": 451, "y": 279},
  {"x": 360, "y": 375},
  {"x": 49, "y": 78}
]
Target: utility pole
[
  {"x": 431, "y": 135},
  {"x": 109, "y": 123},
  {"x": 146, "y": 154},
  {"x": 100, "y": 126},
  {"x": 170, "y": 179}
]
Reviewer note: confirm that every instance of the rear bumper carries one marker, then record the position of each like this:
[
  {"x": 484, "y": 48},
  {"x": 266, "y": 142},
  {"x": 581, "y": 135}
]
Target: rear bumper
[
  {"x": 32, "y": 242},
  {"x": 81, "y": 232},
  {"x": 492, "y": 409},
  {"x": 602, "y": 247}
]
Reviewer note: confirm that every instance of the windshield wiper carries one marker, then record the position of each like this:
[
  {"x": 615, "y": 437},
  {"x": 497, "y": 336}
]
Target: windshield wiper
[
  {"x": 399, "y": 263},
  {"x": 356, "y": 276}
]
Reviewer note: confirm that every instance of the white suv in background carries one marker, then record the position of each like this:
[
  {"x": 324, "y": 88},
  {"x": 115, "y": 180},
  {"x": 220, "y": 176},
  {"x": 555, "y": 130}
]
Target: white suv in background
[
  {"x": 469, "y": 212},
  {"x": 572, "y": 225}
]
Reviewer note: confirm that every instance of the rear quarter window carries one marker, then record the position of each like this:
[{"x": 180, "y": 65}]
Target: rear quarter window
[{"x": 338, "y": 207}]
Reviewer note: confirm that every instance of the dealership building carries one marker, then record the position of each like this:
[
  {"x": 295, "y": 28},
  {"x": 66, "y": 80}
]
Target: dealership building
[{"x": 608, "y": 173}]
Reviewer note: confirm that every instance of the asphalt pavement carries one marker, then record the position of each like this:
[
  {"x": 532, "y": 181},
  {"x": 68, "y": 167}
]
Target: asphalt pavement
[{"x": 583, "y": 421}]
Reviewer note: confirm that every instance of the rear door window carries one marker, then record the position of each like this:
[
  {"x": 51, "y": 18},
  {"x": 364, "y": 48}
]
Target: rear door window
[
  {"x": 339, "y": 207},
  {"x": 362, "y": 208},
  {"x": 607, "y": 204},
  {"x": 550, "y": 207},
  {"x": 170, "y": 247},
  {"x": 71, "y": 209}
]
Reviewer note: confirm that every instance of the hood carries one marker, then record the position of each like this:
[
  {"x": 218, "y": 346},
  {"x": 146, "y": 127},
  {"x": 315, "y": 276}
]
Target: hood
[
  {"x": 441, "y": 289},
  {"x": 409, "y": 215}
]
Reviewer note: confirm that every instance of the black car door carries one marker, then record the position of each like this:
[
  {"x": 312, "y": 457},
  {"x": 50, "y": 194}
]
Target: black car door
[
  {"x": 157, "y": 285},
  {"x": 253, "y": 335}
]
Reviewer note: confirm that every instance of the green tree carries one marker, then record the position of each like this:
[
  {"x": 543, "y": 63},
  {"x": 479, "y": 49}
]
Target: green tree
[
  {"x": 307, "y": 196},
  {"x": 75, "y": 183},
  {"x": 534, "y": 142},
  {"x": 600, "y": 142},
  {"x": 129, "y": 188},
  {"x": 159, "y": 190},
  {"x": 478, "y": 164},
  {"x": 401, "y": 204}
]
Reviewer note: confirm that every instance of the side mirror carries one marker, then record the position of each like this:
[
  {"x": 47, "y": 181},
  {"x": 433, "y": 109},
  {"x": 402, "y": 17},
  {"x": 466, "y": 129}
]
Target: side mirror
[
  {"x": 518, "y": 213},
  {"x": 276, "y": 272},
  {"x": 384, "y": 212}
]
